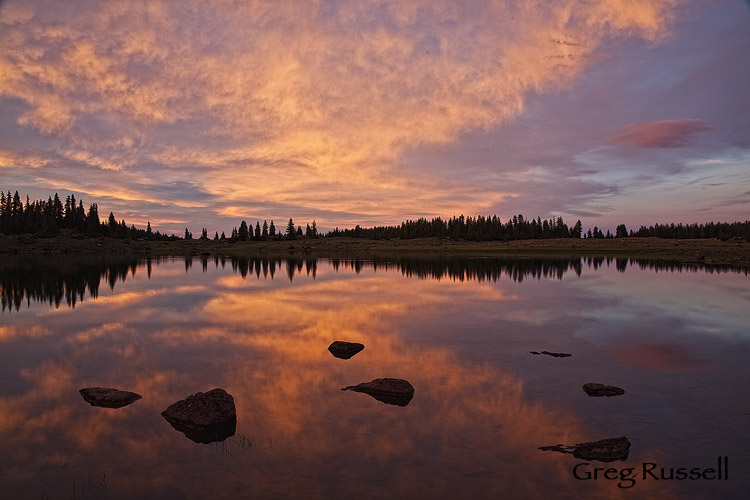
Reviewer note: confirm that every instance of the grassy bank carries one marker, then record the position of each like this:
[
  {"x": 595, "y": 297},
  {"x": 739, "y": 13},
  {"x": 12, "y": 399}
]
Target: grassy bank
[{"x": 707, "y": 251}]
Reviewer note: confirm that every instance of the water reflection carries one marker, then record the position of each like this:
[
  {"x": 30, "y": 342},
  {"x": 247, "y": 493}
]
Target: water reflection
[
  {"x": 69, "y": 280},
  {"x": 57, "y": 281},
  {"x": 215, "y": 435},
  {"x": 484, "y": 404}
]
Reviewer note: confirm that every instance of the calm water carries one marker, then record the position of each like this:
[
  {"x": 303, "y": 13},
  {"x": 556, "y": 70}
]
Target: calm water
[{"x": 677, "y": 340}]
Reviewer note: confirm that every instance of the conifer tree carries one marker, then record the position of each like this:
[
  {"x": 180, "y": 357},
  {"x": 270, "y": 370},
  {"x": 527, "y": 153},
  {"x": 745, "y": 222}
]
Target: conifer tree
[
  {"x": 92, "y": 220},
  {"x": 290, "y": 233},
  {"x": 57, "y": 210},
  {"x": 243, "y": 233},
  {"x": 112, "y": 224},
  {"x": 271, "y": 230},
  {"x": 80, "y": 218},
  {"x": 577, "y": 229}
]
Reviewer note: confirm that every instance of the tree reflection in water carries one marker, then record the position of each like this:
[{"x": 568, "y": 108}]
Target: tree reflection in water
[{"x": 68, "y": 280}]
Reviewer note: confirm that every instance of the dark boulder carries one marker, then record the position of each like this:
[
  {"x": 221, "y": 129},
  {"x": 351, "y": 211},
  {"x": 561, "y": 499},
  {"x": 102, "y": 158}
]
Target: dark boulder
[
  {"x": 345, "y": 350},
  {"x": 553, "y": 354},
  {"x": 108, "y": 398},
  {"x": 604, "y": 450},
  {"x": 392, "y": 391},
  {"x": 204, "y": 417},
  {"x": 599, "y": 390}
]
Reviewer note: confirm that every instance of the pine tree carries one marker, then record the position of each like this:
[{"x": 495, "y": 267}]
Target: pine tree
[
  {"x": 3, "y": 222},
  {"x": 57, "y": 210},
  {"x": 112, "y": 225},
  {"x": 188, "y": 234},
  {"x": 272, "y": 230},
  {"x": 264, "y": 234},
  {"x": 290, "y": 233},
  {"x": 243, "y": 233},
  {"x": 577, "y": 229},
  {"x": 92, "y": 221},
  {"x": 80, "y": 218}
]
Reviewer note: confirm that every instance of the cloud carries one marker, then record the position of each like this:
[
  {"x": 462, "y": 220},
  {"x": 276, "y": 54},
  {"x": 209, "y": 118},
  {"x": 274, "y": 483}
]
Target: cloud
[
  {"x": 661, "y": 134},
  {"x": 257, "y": 100}
]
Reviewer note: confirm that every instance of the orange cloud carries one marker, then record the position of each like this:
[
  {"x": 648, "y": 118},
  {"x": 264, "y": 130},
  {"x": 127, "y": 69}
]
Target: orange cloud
[{"x": 282, "y": 100}]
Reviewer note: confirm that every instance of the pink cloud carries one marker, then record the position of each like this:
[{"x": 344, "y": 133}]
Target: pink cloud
[{"x": 661, "y": 134}]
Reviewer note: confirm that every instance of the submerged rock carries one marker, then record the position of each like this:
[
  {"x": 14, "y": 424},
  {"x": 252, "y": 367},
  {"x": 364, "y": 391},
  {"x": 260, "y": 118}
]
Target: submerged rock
[
  {"x": 599, "y": 390},
  {"x": 604, "y": 450},
  {"x": 204, "y": 417},
  {"x": 554, "y": 354},
  {"x": 345, "y": 350},
  {"x": 392, "y": 391},
  {"x": 108, "y": 398}
]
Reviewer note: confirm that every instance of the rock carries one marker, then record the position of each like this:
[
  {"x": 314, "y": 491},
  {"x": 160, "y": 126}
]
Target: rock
[
  {"x": 554, "y": 354},
  {"x": 599, "y": 390},
  {"x": 108, "y": 398},
  {"x": 604, "y": 450},
  {"x": 204, "y": 417},
  {"x": 392, "y": 391},
  {"x": 345, "y": 350}
]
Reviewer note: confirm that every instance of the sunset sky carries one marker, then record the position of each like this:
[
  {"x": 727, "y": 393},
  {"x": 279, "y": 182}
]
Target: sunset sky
[{"x": 371, "y": 112}]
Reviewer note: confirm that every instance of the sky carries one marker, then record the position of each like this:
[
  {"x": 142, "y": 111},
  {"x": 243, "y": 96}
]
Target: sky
[{"x": 202, "y": 114}]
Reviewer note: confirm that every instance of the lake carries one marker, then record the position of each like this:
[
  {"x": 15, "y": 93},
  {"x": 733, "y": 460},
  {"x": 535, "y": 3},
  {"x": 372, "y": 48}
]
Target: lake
[{"x": 461, "y": 331}]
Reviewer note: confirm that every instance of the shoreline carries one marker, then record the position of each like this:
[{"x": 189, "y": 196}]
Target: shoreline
[{"x": 697, "y": 251}]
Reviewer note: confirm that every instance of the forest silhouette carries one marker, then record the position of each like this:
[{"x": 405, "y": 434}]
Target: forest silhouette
[{"x": 48, "y": 218}]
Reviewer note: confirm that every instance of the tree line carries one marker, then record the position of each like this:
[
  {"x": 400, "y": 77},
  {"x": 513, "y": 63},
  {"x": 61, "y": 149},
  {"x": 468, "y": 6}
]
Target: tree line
[
  {"x": 265, "y": 232},
  {"x": 47, "y": 218},
  {"x": 478, "y": 228},
  {"x": 491, "y": 228}
]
